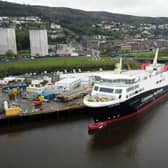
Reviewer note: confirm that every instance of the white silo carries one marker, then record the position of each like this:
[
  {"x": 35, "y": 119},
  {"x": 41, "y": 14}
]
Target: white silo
[
  {"x": 38, "y": 42},
  {"x": 7, "y": 40}
]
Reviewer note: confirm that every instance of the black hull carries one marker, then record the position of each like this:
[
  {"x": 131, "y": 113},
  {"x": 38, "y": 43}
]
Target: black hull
[{"x": 128, "y": 107}]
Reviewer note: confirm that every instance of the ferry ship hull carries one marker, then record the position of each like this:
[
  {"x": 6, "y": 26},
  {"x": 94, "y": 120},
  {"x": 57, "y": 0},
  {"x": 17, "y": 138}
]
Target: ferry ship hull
[{"x": 128, "y": 109}]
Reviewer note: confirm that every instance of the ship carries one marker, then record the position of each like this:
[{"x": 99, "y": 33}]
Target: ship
[{"x": 122, "y": 95}]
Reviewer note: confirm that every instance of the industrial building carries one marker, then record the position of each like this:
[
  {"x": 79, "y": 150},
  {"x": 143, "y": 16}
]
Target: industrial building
[
  {"x": 38, "y": 42},
  {"x": 8, "y": 41}
]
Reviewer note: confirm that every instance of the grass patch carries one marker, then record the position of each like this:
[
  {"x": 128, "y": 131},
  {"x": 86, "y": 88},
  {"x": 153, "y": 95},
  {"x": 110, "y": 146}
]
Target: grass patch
[
  {"x": 149, "y": 56},
  {"x": 55, "y": 64}
]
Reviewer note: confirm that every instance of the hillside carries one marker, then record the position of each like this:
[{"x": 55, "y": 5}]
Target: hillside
[{"x": 76, "y": 20}]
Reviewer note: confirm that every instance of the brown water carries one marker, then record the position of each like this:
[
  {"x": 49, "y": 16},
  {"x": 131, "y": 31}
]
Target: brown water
[{"x": 140, "y": 143}]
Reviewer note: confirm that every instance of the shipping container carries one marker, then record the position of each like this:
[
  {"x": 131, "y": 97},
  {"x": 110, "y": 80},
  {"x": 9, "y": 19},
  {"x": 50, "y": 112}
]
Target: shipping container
[
  {"x": 10, "y": 87},
  {"x": 47, "y": 96}
]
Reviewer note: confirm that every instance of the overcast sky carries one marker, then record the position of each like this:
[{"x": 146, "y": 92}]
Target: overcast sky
[{"x": 133, "y": 7}]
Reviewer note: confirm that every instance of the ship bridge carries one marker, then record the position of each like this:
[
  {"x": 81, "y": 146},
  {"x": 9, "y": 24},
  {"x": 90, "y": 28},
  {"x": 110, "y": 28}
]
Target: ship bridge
[{"x": 117, "y": 80}]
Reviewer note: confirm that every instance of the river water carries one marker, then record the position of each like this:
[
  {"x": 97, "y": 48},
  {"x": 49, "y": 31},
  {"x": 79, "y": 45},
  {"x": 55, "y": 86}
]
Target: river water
[{"x": 138, "y": 143}]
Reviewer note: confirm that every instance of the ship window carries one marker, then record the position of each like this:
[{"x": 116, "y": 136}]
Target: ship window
[
  {"x": 96, "y": 88},
  {"x": 107, "y": 80},
  {"x": 129, "y": 89},
  {"x": 132, "y": 88},
  {"x": 130, "y": 81},
  {"x": 107, "y": 90},
  {"x": 97, "y": 78},
  {"x": 125, "y": 81},
  {"x": 118, "y": 91}
]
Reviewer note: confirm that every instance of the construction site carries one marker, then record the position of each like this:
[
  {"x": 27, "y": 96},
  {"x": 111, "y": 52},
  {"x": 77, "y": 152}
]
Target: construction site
[{"x": 32, "y": 95}]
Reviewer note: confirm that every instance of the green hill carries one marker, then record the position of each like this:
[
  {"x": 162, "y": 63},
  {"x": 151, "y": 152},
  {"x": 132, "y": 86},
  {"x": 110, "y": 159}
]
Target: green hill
[{"x": 76, "y": 20}]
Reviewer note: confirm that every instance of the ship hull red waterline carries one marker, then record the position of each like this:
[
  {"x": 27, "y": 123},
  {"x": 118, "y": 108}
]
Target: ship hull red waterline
[{"x": 154, "y": 100}]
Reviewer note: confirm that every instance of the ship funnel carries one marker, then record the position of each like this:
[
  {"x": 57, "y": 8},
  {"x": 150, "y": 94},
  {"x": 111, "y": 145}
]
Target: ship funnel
[
  {"x": 156, "y": 57},
  {"x": 118, "y": 67}
]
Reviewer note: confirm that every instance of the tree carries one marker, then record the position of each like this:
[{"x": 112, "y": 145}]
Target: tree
[
  {"x": 9, "y": 54},
  {"x": 22, "y": 38}
]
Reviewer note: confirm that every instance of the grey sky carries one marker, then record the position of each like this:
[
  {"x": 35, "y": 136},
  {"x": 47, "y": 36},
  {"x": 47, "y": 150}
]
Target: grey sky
[{"x": 134, "y": 7}]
